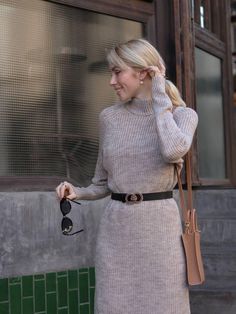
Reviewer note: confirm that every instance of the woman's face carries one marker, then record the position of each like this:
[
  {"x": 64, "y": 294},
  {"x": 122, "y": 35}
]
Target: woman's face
[{"x": 126, "y": 82}]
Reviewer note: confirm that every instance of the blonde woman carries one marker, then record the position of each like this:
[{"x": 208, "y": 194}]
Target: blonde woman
[{"x": 140, "y": 264}]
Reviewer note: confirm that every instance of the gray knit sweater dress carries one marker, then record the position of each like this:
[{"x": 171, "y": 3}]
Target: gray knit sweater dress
[{"x": 140, "y": 266}]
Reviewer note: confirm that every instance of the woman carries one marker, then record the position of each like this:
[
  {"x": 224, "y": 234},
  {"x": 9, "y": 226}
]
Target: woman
[{"x": 140, "y": 264}]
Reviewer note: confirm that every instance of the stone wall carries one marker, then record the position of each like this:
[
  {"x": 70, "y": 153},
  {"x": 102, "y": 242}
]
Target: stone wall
[
  {"x": 217, "y": 220},
  {"x": 32, "y": 243},
  {"x": 31, "y": 240}
]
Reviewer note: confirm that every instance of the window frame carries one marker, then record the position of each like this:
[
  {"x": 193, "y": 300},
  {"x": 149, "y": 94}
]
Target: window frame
[
  {"x": 212, "y": 45},
  {"x": 140, "y": 11},
  {"x": 188, "y": 35},
  {"x": 212, "y": 14}
]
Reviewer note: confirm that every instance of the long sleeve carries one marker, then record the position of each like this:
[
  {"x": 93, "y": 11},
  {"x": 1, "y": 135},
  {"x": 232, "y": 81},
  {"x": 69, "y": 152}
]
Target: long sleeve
[
  {"x": 175, "y": 130},
  {"x": 99, "y": 188}
]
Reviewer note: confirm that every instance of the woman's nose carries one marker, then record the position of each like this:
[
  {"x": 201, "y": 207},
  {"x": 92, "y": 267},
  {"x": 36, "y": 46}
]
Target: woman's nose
[{"x": 112, "y": 80}]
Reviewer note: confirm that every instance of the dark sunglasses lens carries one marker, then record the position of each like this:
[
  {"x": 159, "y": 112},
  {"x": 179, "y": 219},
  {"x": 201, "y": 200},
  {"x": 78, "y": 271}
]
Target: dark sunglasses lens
[
  {"x": 65, "y": 206},
  {"x": 66, "y": 225}
]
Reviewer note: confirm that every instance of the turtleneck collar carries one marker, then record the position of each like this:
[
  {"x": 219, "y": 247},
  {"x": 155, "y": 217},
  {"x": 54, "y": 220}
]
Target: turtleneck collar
[{"x": 139, "y": 106}]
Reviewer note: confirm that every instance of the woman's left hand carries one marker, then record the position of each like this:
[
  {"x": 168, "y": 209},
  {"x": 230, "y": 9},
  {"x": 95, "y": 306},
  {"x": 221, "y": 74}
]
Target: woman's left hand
[{"x": 153, "y": 70}]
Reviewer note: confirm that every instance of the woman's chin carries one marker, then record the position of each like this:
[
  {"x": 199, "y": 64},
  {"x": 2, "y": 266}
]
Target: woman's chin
[{"x": 123, "y": 98}]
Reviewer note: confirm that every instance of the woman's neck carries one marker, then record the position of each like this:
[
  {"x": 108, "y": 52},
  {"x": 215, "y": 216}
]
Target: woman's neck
[{"x": 145, "y": 90}]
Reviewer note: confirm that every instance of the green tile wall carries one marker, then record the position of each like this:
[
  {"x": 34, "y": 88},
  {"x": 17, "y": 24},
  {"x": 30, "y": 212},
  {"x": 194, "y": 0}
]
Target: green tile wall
[{"x": 67, "y": 292}]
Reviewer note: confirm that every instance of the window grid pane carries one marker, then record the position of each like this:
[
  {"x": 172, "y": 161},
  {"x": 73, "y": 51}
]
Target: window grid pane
[{"x": 54, "y": 83}]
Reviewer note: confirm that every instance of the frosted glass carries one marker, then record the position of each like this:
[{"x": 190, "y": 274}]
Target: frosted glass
[{"x": 211, "y": 144}]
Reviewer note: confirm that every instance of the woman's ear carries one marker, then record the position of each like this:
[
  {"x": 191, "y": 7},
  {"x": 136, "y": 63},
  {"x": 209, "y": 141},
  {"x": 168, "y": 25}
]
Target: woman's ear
[{"x": 143, "y": 74}]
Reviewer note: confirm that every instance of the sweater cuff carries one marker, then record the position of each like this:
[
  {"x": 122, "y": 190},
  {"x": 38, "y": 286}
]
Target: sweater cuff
[
  {"x": 158, "y": 84},
  {"x": 161, "y": 101}
]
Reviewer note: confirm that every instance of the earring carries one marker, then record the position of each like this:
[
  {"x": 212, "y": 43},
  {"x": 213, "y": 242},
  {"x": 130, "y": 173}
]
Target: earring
[{"x": 141, "y": 82}]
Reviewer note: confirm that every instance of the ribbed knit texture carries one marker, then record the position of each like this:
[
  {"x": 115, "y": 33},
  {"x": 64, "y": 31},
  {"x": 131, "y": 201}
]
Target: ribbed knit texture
[{"x": 140, "y": 265}]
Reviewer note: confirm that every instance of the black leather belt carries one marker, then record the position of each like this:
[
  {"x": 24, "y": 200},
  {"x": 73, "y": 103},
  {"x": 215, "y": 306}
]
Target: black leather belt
[{"x": 138, "y": 197}]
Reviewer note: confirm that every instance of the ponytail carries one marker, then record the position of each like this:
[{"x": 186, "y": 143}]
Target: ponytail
[{"x": 174, "y": 94}]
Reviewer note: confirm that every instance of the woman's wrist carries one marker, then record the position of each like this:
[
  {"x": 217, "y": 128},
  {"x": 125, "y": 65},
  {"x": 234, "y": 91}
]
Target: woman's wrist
[
  {"x": 160, "y": 98},
  {"x": 158, "y": 84},
  {"x": 159, "y": 75}
]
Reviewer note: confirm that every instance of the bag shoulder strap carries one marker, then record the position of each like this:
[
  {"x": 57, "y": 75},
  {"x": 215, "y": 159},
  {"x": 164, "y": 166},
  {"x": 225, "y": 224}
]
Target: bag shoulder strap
[
  {"x": 189, "y": 180},
  {"x": 189, "y": 189},
  {"x": 181, "y": 195}
]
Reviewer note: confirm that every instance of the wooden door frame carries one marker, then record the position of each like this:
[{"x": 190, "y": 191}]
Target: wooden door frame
[{"x": 187, "y": 36}]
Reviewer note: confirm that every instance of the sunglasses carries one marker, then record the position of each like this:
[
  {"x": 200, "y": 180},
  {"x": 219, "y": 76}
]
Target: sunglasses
[{"x": 66, "y": 223}]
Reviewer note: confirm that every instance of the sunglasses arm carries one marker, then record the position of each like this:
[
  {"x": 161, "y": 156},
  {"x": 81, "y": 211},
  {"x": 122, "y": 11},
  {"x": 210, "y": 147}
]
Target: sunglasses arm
[
  {"x": 70, "y": 234},
  {"x": 73, "y": 201}
]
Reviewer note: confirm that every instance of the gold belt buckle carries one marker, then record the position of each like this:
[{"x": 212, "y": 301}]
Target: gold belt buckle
[{"x": 134, "y": 198}]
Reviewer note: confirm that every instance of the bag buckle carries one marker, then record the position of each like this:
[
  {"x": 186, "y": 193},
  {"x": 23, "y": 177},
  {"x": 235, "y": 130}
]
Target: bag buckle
[{"x": 134, "y": 198}]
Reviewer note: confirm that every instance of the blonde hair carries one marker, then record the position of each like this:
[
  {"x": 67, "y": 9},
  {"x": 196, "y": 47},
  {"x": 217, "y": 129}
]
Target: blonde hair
[{"x": 139, "y": 54}]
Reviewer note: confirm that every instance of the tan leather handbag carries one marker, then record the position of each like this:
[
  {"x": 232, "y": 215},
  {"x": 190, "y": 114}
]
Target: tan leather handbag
[{"x": 191, "y": 233}]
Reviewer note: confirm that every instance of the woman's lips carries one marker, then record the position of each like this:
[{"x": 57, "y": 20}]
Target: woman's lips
[{"x": 118, "y": 90}]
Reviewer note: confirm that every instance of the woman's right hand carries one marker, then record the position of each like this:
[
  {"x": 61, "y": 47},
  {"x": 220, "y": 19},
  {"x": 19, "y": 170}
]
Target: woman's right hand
[
  {"x": 153, "y": 70},
  {"x": 66, "y": 190}
]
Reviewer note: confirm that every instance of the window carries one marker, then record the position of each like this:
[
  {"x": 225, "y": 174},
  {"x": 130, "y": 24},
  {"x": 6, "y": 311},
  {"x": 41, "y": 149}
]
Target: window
[
  {"x": 207, "y": 15},
  {"x": 233, "y": 41},
  {"x": 203, "y": 75},
  {"x": 209, "y": 102},
  {"x": 54, "y": 83},
  {"x": 212, "y": 90}
]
